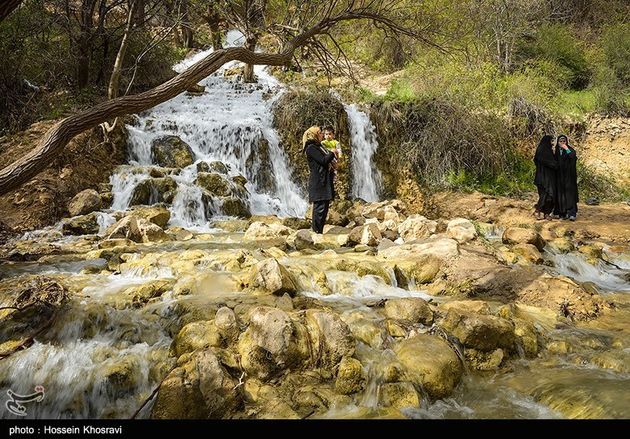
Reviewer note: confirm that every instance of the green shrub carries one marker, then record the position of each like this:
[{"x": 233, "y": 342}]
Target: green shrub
[
  {"x": 556, "y": 44},
  {"x": 615, "y": 41}
]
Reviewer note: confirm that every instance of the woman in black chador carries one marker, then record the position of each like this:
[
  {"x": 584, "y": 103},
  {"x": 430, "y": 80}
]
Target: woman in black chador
[
  {"x": 545, "y": 179},
  {"x": 566, "y": 183},
  {"x": 320, "y": 182}
]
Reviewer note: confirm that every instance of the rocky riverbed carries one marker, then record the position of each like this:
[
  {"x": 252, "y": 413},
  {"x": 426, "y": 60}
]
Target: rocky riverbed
[{"x": 387, "y": 314}]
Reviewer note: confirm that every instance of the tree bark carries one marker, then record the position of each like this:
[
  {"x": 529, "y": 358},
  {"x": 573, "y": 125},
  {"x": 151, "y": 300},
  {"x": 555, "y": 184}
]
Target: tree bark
[
  {"x": 248, "y": 71},
  {"x": 8, "y": 6},
  {"x": 112, "y": 90}
]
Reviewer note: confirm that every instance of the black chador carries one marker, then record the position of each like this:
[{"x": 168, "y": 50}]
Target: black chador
[
  {"x": 566, "y": 183},
  {"x": 545, "y": 179}
]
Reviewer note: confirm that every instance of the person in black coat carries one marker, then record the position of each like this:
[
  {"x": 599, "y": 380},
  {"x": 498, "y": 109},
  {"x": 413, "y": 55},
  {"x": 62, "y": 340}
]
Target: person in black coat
[
  {"x": 566, "y": 183},
  {"x": 320, "y": 183},
  {"x": 545, "y": 179}
]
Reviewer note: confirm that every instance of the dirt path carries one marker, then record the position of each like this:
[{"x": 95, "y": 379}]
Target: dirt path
[{"x": 608, "y": 221}]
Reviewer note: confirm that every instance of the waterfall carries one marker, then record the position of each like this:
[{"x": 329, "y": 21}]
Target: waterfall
[
  {"x": 230, "y": 122},
  {"x": 366, "y": 178}
]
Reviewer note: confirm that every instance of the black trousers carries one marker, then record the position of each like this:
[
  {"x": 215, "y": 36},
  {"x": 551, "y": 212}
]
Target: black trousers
[
  {"x": 320, "y": 212},
  {"x": 545, "y": 201}
]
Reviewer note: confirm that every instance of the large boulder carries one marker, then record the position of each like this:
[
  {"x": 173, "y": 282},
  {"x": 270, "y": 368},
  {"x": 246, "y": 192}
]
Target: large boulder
[
  {"x": 154, "y": 190},
  {"x": 226, "y": 323},
  {"x": 233, "y": 206},
  {"x": 171, "y": 152},
  {"x": 152, "y": 232},
  {"x": 410, "y": 309},
  {"x": 196, "y": 336},
  {"x": 441, "y": 248},
  {"x": 416, "y": 227},
  {"x": 260, "y": 231},
  {"x": 158, "y": 215},
  {"x": 271, "y": 276},
  {"x": 520, "y": 235},
  {"x": 331, "y": 339},
  {"x": 528, "y": 252},
  {"x": 350, "y": 376},
  {"x": 367, "y": 234},
  {"x": 416, "y": 271},
  {"x": 265, "y": 347},
  {"x": 482, "y": 332},
  {"x": 81, "y": 225},
  {"x": 429, "y": 362},
  {"x": 214, "y": 184},
  {"x": 461, "y": 230},
  {"x": 200, "y": 388},
  {"x": 125, "y": 228},
  {"x": 84, "y": 202}
]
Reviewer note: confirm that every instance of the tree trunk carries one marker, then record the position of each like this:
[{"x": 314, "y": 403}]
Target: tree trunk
[
  {"x": 139, "y": 15},
  {"x": 112, "y": 90},
  {"x": 8, "y": 6},
  {"x": 84, "y": 43},
  {"x": 248, "y": 72},
  {"x": 187, "y": 32}
]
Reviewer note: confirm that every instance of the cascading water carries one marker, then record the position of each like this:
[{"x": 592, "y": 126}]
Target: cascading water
[
  {"x": 366, "y": 178},
  {"x": 231, "y": 123},
  {"x": 606, "y": 276}
]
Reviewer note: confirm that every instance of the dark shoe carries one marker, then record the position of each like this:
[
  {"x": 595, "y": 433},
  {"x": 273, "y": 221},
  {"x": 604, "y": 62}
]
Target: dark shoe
[{"x": 572, "y": 218}]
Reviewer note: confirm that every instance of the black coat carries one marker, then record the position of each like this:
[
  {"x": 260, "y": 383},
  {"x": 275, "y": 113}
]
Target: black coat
[
  {"x": 546, "y": 168},
  {"x": 320, "y": 182},
  {"x": 566, "y": 183}
]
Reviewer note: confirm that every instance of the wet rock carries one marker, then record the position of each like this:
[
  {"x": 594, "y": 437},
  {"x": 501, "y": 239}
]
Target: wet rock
[
  {"x": 331, "y": 339},
  {"x": 259, "y": 230},
  {"x": 220, "y": 167},
  {"x": 350, "y": 376},
  {"x": 199, "y": 389},
  {"x": 441, "y": 248},
  {"x": 482, "y": 332},
  {"x": 519, "y": 235},
  {"x": 591, "y": 251},
  {"x": 203, "y": 167},
  {"x": 81, "y": 225},
  {"x": 368, "y": 234},
  {"x": 412, "y": 309},
  {"x": 561, "y": 245},
  {"x": 232, "y": 206},
  {"x": 366, "y": 329},
  {"x": 141, "y": 295},
  {"x": 526, "y": 337},
  {"x": 385, "y": 244},
  {"x": 158, "y": 215},
  {"x": 297, "y": 223},
  {"x": 416, "y": 271},
  {"x": 461, "y": 230},
  {"x": 416, "y": 227},
  {"x": 226, "y": 323},
  {"x": 125, "y": 228},
  {"x": 240, "y": 180},
  {"x": 84, "y": 202},
  {"x": 265, "y": 347},
  {"x": 116, "y": 242},
  {"x": 528, "y": 252},
  {"x": 180, "y": 234},
  {"x": 196, "y": 336},
  {"x": 151, "y": 232},
  {"x": 429, "y": 362},
  {"x": 472, "y": 306},
  {"x": 271, "y": 276},
  {"x": 399, "y": 395},
  {"x": 154, "y": 190},
  {"x": 171, "y": 152},
  {"x": 303, "y": 240},
  {"x": 481, "y": 360},
  {"x": 213, "y": 183}
]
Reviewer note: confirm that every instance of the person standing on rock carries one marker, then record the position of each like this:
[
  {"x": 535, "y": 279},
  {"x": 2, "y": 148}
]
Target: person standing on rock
[
  {"x": 545, "y": 179},
  {"x": 320, "y": 182},
  {"x": 566, "y": 184}
]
